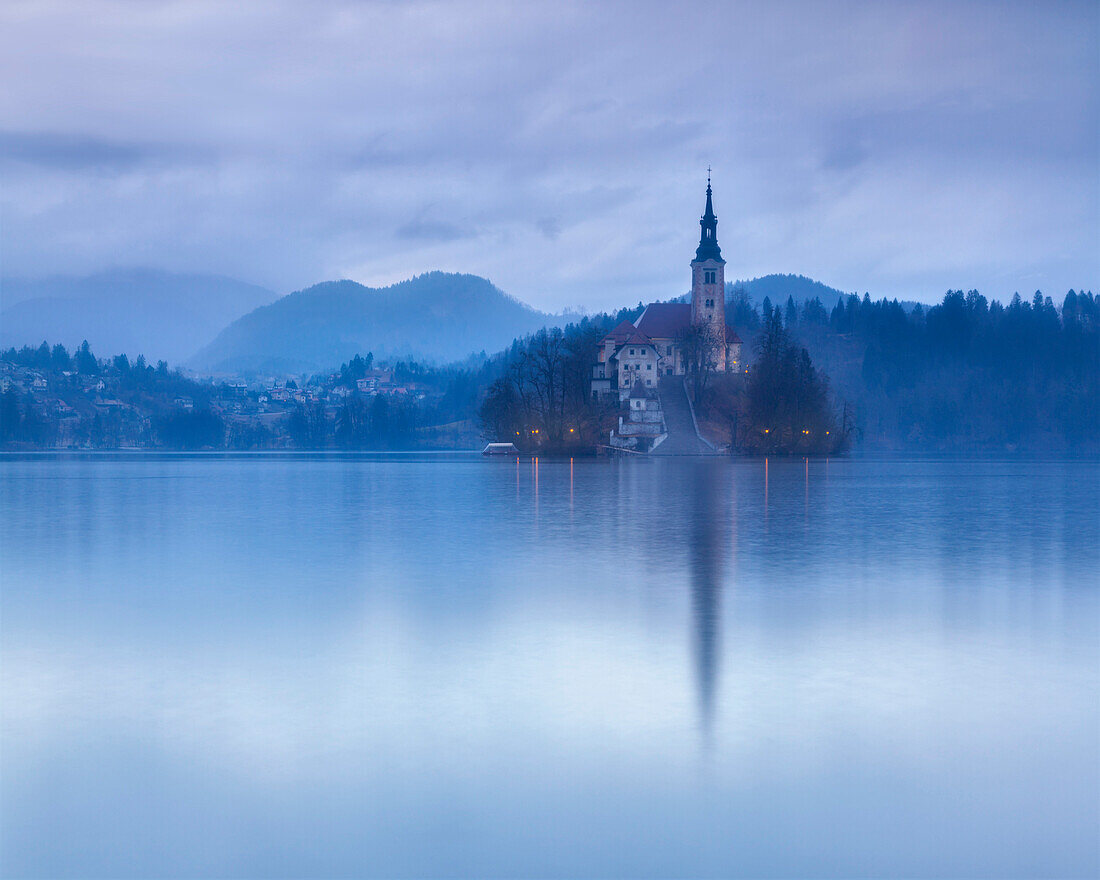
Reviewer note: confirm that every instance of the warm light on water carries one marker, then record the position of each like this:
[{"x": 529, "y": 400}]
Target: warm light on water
[{"x": 417, "y": 665}]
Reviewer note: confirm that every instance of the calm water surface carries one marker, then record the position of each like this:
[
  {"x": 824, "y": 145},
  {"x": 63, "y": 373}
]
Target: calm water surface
[{"x": 431, "y": 665}]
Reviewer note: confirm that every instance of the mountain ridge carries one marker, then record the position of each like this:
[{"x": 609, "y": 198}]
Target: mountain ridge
[
  {"x": 162, "y": 315},
  {"x": 322, "y": 326},
  {"x": 778, "y": 287},
  {"x": 215, "y": 324}
]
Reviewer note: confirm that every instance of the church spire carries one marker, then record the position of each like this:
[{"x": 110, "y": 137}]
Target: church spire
[{"x": 708, "y": 241}]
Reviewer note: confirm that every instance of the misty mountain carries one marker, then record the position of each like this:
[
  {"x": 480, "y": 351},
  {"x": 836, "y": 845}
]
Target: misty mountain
[
  {"x": 162, "y": 315},
  {"x": 435, "y": 317},
  {"x": 778, "y": 287}
]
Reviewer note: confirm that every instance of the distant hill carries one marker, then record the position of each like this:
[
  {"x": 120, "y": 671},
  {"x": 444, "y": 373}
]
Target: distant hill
[
  {"x": 778, "y": 287},
  {"x": 162, "y": 315},
  {"x": 437, "y": 317}
]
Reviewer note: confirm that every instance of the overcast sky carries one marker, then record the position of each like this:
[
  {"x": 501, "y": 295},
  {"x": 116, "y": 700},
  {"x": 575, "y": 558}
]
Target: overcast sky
[{"x": 558, "y": 149}]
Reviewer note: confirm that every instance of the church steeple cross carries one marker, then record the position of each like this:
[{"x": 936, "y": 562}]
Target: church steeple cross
[{"x": 708, "y": 238}]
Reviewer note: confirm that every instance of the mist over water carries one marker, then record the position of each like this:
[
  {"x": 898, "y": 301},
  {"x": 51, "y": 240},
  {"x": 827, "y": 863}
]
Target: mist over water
[{"x": 439, "y": 665}]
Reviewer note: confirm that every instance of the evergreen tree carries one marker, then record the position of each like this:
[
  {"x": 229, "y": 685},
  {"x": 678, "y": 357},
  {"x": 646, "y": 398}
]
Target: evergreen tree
[
  {"x": 791, "y": 314},
  {"x": 10, "y": 416},
  {"x": 787, "y": 399},
  {"x": 59, "y": 359},
  {"x": 85, "y": 361}
]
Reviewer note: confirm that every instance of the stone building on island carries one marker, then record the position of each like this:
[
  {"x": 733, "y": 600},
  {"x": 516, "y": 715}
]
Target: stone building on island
[
  {"x": 643, "y": 425},
  {"x": 670, "y": 338}
]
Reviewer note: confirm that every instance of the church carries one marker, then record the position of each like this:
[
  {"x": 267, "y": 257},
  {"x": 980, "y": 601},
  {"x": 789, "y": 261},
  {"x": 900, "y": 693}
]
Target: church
[{"x": 669, "y": 337}]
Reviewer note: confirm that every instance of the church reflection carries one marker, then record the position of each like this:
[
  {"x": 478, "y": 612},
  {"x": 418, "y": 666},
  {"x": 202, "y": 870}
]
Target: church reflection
[{"x": 706, "y": 558}]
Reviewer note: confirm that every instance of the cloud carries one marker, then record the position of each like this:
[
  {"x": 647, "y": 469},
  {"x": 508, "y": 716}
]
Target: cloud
[
  {"x": 434, "y": 231},
  {"x": 900, "y": 148},
  {"x": 549, "y": 226},
  {"x": 79, "y": 152}
]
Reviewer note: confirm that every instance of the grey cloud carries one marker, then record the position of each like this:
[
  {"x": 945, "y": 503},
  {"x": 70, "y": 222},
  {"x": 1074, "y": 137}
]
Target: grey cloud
[
  {"x": 80, "y": 152},
  {"x": 845, "y": 153},
  {"x": 433, "y": 231},
  {"x": 549, "y": 226},
  {"x": 561, "y": 149}
]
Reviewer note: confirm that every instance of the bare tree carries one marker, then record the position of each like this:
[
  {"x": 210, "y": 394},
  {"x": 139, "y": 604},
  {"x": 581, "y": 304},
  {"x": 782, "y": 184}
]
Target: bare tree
[{"x": 702, "y": 346}]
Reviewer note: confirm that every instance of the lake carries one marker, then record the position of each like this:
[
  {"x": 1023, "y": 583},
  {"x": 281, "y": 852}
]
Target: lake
[{"x": 442, "y": 665}]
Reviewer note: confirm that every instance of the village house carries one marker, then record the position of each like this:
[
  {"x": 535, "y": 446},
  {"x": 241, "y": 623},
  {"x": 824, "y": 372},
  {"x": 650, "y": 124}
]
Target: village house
[
  {"x": 643, "y": 426},
  {"x": 668, "y": 336}
]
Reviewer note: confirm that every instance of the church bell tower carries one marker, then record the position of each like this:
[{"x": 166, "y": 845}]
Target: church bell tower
[{"x": 708, "y": 281}]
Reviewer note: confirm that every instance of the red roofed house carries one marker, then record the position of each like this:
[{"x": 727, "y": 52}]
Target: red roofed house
[{"x": 654, "y": 345}]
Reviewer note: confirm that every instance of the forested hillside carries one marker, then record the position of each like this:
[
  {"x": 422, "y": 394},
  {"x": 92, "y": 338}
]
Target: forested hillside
[{"x": 967, "y": 373}]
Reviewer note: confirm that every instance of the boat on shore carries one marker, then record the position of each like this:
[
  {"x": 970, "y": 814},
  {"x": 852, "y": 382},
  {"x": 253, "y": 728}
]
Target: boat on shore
[{"x": 500, "y": 449}]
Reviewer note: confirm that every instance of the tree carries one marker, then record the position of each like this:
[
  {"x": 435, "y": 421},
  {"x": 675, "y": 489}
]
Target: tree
[
  {"x": 59, "y": 359},
  {"x": 35, "y": 428},
  {"x": 249, "y": 436},
  {"x": 787, "y": 399},
  {"x": 791, "y": 312},
  {"x": 701, "y": 346},
  {"x": 307, "y": 427},
  {"x": 813, "y": 313},
  {"x": 352, "y": 430},
  {"x": 10, "y": 417},
  {"x": 355, "y": 369},
  {"x": 542, "y": 372},
  {"x": 85, "y": 361},
  {"x": 743, "y": 313},
  {"x": 500, "y": 413},
  {"x": 42, "y": 356},
  {"x": 540, "y": 387}
]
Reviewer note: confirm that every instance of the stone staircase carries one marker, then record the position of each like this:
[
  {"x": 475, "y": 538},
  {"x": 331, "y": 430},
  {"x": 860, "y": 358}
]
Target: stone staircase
[{"x": 682, "y": 438}]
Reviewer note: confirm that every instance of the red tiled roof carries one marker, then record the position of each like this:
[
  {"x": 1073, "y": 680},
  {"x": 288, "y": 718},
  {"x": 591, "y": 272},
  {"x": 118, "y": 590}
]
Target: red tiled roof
[
  {"x": 636, "y": 338},
  {"x": 622, "y": 332},
  {"x": 659, "y": 321},
  {"x": 665, "y": 320}
]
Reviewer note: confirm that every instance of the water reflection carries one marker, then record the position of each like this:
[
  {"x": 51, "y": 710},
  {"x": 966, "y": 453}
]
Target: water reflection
[
  {"x": 707, "y": 529},
  {"x": 398, "y": 666}
]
